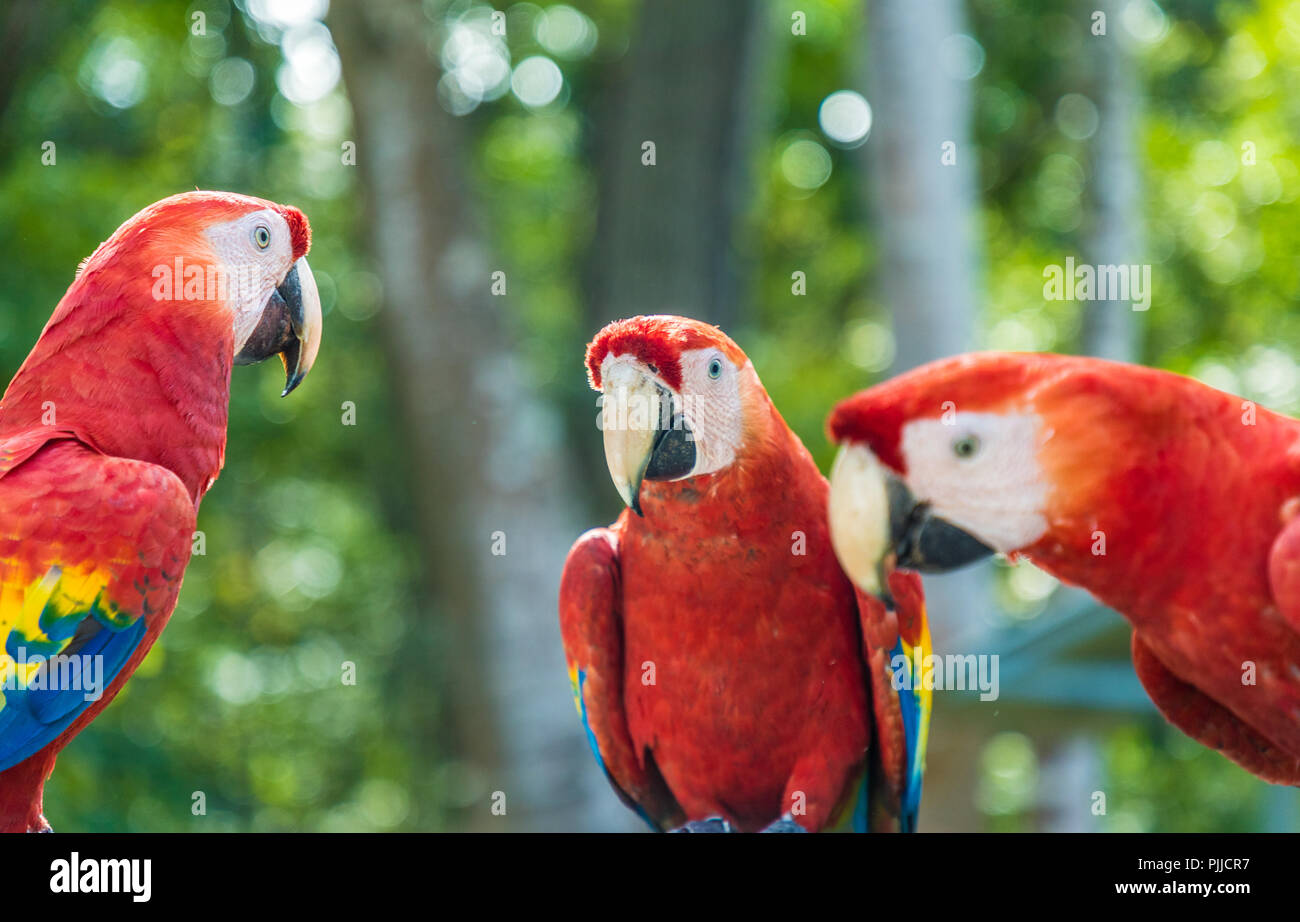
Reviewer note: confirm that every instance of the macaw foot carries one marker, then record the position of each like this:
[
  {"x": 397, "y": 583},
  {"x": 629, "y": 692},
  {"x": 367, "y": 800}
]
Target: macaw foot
[
  {"x": 784, "y": 824},
  {"x": 713, "y": 824}
]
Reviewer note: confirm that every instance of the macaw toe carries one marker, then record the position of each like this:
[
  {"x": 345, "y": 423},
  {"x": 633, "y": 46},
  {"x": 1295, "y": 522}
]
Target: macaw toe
[
  {"x": 784, "y": 824},
  {"x": 713, "y": 824}
]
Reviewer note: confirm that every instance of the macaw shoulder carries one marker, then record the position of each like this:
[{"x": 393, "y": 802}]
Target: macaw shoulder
[
  {"x": 92, "y": 551},
  {"x": 83, "y": 533},
  {"x": 44, "y": 479}
]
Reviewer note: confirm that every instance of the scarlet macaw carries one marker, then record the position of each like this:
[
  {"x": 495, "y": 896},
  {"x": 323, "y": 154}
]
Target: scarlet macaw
[
  {"x": 1172, "y": 502},
  {"x": 726, "y": 671},
  {"x": 110, "y": 433}
]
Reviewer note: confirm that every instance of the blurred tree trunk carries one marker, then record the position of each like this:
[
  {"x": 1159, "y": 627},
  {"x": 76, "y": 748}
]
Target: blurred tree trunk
[
  {"x": 925, "y": 208},
  {"x": 485, "y": 461},
  {"x": 1071, "y": 772},
  {"x": 1114, "y": 205},
  {"x": 663, "y": 240},
  {"x": 925, "y": 212},
  {"x": 690, "y": 83}
]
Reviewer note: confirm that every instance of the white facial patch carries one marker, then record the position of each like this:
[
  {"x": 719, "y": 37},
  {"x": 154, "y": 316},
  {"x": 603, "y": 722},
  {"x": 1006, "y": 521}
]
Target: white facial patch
[
  {"x": 981, "y": 473},
  {"x": 712, "y": 408},
  {"x": 251, "y": 271}
]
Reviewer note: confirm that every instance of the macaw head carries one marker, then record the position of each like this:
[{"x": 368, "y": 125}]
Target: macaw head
[
  {"x": 136, "y": 358},
  {"x": 994, "y": 452},
  {"x": 679, "y": 400},
  {"x": 229, "y": 269}
]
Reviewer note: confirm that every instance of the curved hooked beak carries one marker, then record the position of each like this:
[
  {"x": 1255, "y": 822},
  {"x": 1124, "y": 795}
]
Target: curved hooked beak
[
  {"x": 290, "y": 327},
  {"x": 874, "y": 517},
  {"x": 646, "y": 438}
]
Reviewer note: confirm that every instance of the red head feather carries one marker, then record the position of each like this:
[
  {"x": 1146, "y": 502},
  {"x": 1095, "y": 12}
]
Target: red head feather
[
  {"x": 299, "y": 229},
  {"x": 658, "y": 341},
  {"x": 1119, "y": 435},
  {"x": 980, "y": 382}
]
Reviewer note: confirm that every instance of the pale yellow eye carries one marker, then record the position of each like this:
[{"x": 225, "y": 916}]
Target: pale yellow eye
[
  {"x": 966, "y": 447},
  {"x": 262, "y": 236}
]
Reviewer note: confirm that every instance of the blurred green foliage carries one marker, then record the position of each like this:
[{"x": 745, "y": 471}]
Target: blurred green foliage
[{"x": 310, "y": 556}]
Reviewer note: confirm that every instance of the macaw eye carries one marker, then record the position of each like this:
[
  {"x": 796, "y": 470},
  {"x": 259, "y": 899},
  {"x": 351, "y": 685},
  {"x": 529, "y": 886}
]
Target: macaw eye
[
  {"x": 715, "y": 368},
  {"x": 966, "y": 447},
  {"x": 262, "y": 236}
]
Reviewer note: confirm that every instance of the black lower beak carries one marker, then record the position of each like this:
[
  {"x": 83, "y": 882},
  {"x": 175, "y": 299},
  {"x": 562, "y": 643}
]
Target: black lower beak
[
  {"x": 922, "y": 540},
  {"x": 280, "y": 331},
  {"x": 673, "y": 454}
]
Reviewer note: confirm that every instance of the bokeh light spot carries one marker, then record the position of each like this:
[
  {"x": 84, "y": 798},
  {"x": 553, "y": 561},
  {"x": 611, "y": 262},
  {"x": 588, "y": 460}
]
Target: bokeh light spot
[
  {"x": 845, "y": 118},
  {"x": 537, "y": 81},
  {"x": 805, "y": 164}
]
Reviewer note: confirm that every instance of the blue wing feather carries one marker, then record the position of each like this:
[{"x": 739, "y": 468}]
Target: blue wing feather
[
  {"x": 913, "y": 705},
  {"x": 581, "y": 680},
  {"x": 33, "y": 717}
]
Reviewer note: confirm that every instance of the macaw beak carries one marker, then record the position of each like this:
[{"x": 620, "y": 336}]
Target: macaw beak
[
  {"x": 290, "y": 327},
  {"x": 645, "y": 439},
  {"x": 859, "y": 517},
  {"x": 874, "y": 516}
]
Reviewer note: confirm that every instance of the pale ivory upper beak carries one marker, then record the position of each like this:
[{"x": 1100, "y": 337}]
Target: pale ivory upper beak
[
  {"x": 289, "y": 326},
  {"x": 859, "y": 516},
  {"x": 630, "y": 419},
  {"x": 308, "y": 324}
]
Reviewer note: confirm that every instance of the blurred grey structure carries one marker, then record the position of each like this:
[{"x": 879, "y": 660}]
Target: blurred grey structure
[
  {"x": 921, "y": 167},
  {"x": 665, "y": 232},
  {"x": 494, "y": 450},
  {"x": 1114, "y": 190}
]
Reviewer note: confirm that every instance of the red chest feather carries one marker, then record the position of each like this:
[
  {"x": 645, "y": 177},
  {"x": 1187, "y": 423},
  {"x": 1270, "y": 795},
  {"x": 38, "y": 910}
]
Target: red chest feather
[{"x": 742, "y": 646}]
